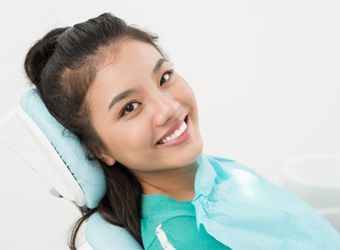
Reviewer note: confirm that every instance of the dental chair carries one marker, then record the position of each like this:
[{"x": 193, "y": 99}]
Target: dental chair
[{"x": 57, "y": 155}]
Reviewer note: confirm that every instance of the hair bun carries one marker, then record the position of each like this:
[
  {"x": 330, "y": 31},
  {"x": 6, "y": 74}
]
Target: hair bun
[{"x": 40, "y": 53}]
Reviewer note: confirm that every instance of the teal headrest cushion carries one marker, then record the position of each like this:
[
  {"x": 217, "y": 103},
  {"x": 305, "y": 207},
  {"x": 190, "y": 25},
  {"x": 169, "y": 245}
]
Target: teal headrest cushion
[{"x": 88, "y": 173}]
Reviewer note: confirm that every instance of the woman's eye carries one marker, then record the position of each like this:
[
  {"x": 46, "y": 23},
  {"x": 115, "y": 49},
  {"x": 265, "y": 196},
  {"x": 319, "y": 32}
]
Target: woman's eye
[
  {"x": 166, "y": 76},
  {"x": 129, "y": 108}
]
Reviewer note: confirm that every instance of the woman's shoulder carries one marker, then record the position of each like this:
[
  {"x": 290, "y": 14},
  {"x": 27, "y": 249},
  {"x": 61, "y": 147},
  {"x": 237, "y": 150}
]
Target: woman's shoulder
[
  {"x": 181, "y": 232},
  {"x": 159, "y": 211},
  {"x": 154, "y": 205}
]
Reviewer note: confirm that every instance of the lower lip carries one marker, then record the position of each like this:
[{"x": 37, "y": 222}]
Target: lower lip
[{"x": 179, "y": 140}]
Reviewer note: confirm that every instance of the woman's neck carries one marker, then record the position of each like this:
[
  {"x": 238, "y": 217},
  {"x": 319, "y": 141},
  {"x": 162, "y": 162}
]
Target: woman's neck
[{"x": 176, "y": 183}]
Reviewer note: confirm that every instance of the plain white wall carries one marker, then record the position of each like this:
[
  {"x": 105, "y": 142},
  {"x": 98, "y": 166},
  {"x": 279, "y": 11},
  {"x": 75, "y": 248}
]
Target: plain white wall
[{"x": 266, "y": 76}]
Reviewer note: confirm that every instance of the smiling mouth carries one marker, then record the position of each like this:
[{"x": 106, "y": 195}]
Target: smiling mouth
[{"x": 177, "y": 133}]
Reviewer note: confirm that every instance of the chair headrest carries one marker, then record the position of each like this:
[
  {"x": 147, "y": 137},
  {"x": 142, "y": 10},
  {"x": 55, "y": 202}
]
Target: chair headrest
[{"x": 88, "y": 173}]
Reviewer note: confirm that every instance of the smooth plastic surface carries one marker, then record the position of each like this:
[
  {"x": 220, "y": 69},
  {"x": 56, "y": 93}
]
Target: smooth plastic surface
[
  {"x": 64, "y": 152},
  {"x": 314, "y": 178}
]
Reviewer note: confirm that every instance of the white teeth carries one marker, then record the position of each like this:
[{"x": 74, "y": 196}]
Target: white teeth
[{"x": 175, "y": 134}]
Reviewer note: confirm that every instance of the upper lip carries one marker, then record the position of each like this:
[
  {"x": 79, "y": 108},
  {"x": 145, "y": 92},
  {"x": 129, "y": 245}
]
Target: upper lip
[{"x": 172, "y": 128}]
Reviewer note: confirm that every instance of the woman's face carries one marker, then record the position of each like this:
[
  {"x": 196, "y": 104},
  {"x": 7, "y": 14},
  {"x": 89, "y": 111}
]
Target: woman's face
[{"x": 143, "y": 111}]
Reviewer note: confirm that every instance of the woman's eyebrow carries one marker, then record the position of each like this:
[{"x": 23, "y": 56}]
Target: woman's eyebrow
[
  {"x": 159, "y": 64},
  {"x": 120, "y": 97}
]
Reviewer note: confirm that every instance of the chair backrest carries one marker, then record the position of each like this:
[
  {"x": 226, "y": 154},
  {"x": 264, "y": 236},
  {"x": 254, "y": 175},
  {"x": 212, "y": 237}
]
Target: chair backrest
[{"x": 56, "y": 154}]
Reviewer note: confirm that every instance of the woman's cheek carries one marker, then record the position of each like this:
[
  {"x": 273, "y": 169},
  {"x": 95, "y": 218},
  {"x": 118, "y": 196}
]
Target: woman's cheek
[{"x": 136, "y": 136}]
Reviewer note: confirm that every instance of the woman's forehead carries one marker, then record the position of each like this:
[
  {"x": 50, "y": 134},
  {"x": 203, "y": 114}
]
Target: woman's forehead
[
  {"x": 127, "y": 59},
  {"x": 129, "y": 51},
  {"x": 133, "y": 63}
]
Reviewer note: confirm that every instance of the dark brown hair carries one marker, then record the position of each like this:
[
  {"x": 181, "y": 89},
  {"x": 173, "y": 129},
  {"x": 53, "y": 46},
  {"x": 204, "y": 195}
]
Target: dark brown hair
[{"x": 62, "y": 65}]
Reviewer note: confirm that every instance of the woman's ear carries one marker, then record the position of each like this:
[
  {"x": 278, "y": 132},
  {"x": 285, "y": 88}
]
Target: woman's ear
[{"x": 105, "y": 157}]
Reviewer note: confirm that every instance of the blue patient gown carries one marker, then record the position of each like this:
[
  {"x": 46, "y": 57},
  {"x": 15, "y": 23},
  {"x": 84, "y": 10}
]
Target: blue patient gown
[{"x": 245, "y": 211}]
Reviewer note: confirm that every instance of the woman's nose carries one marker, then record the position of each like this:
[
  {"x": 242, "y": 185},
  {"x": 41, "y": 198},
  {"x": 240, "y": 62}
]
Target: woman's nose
[{"x": 166, "y": 110}]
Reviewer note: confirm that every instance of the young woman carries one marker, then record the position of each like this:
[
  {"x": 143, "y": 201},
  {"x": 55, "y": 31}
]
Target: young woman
[{"x": 112, "y": 86}]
